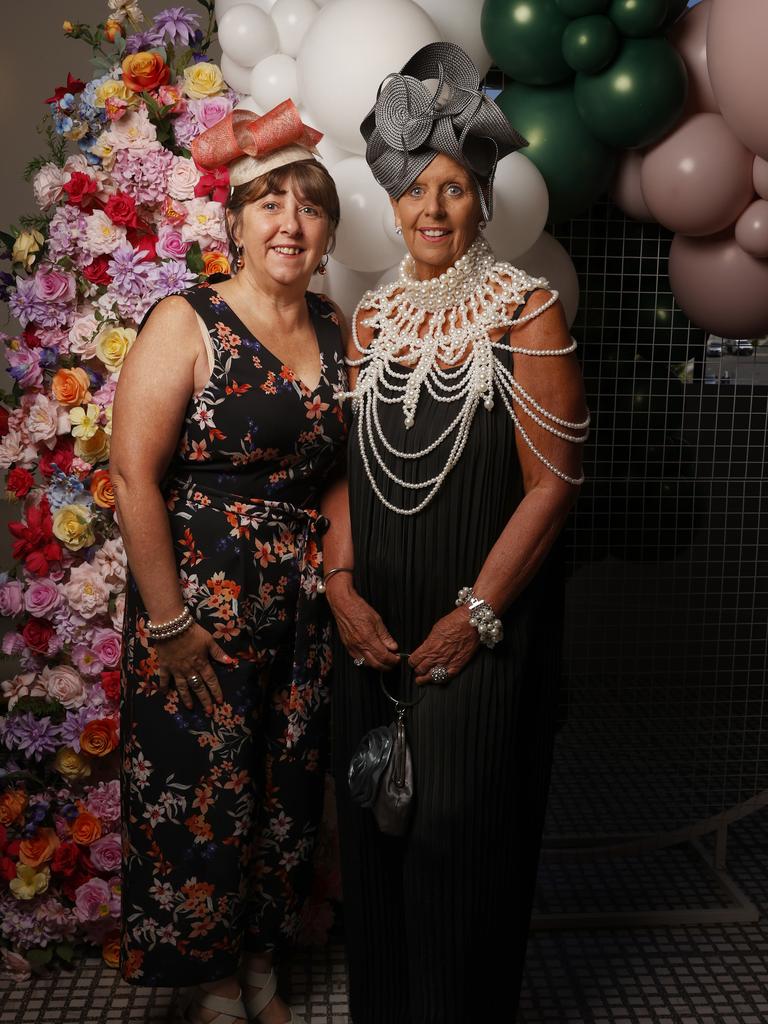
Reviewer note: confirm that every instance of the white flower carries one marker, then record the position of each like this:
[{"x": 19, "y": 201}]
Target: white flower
[
  {"x": 204, "y": 224},
  {"x": 86, "y": 591},
  {"x": 101, "y": 235},
  {"x": 43, "y": 420},
  {"x": 183, "y": 178},
  {"x": 111, "y": 562},
  {"x": 82, "y": 334},
  {"x": 76, "y": 162},
  {"x": 119, "y": 613},
  {"x": 15, "y": 449},
  {"x": 133, "y": 131},
  {"x": 48, "y": 185},
  {"x": 122, "y": 9}
]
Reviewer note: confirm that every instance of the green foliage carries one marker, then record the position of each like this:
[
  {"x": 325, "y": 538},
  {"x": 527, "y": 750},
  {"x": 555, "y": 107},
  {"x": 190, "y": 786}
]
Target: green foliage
[
  {"x": 57, "y": 150},
  {"x": 195, "y": 260},
  {"x": 40, "y": 707}
]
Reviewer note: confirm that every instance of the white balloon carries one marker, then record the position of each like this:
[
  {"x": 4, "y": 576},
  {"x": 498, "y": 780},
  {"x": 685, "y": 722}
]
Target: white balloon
[
  {"x": 292, "y": 19},
  {"x": 330, "y": 153},
  {"x": 274, "y": 80},
  {"x": 249, "y": 103},
  {"x": 458, "y": 21},
  {"x": 388, "y": 222},
  {"x": 247, "y": 34},
  {"x": 520, "y": 206},
  {"x": 353, "y": 45},
  {"x": 344, "y": 286},
  {"x": 547, "y": 258},
  {"x": 236, "y": 76},
  {"x": 390, "y": 275},
  {"x": 222, "y": 6},
  {"x": 361, "y": 242}
]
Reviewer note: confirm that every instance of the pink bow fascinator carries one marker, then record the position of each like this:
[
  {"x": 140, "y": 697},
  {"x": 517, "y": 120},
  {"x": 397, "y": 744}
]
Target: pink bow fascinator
[{"x": 252, "y": 145}]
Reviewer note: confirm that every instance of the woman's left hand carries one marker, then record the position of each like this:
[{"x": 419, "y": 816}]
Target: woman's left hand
[{"x": 452, "y": 643}]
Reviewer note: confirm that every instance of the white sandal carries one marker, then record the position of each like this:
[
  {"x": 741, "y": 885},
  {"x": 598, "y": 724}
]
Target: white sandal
[
  {"x": 227, "y": 1009},
  {"x": 268, "y": 985}
]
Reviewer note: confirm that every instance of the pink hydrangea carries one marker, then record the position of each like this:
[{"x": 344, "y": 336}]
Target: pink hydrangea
[
  {"x": 143, "y": 174},
  {"x": 104, "y": 801},
  {"x": 11, "y": 598}
]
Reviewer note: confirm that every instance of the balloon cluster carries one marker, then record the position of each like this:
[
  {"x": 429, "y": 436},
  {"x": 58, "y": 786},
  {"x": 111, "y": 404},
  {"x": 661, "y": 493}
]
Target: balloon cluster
[
  {"x": 589, "y": 77},
  {"x": 329, "y": 57},
  {"x": 708, "y": 179}
]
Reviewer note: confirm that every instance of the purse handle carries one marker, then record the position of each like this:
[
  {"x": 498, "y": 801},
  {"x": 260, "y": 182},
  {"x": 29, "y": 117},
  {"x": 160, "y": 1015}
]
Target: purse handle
[{"x": 401, "y": 706}]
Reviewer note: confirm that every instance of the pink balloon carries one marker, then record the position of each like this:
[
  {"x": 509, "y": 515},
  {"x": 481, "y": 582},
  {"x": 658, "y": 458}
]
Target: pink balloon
[
  {"x": 627, "y": 193},
  {"x": 698, "y": 179},
  {"x": 738, "y": 69},
  {"x": 760, "y": 177},
  {"x": 689, "y": 38},
  {"x": 752, "y": 229},
  {"x": 720, "y": 287}
]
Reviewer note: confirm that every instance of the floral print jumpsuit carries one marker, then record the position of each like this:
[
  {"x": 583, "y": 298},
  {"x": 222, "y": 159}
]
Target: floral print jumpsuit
[{"x": 220, "y": 813}]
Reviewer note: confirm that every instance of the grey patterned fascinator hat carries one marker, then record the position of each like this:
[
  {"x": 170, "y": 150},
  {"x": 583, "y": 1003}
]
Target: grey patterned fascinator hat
[{"x": 435, "y": 105}]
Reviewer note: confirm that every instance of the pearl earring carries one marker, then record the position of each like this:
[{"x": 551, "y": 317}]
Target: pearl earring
[{"x": 398, "y": 229}]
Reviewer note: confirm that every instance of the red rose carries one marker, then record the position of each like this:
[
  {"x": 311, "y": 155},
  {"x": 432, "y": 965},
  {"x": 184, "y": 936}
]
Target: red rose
[
  {"x": 144, "y": 241},
  {"x": 37, "y": 635},
  {"x": 110, "y": 683},
  {"x": 19, "y": 482},
  {"x": 66, "y": 859},
  {"x": 60, "y": 456},
  {"x": 121, "y": 209},
  {"x": 69, "y": 886},
  {"x": 3, "y": 421},
  {"x": 13, "y": 848},
  {"x": 81, "y": 189},
  {"x": 96, "y": 272},
  {"x": 31, "y": 338},
  {"x": 7, "y": 869}
]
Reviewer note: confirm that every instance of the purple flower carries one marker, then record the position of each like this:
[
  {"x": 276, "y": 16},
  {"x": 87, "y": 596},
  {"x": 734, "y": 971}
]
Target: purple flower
[
  {"x": 186, "y": 127},
  {"x": 67, "y": 232},
  {"x": 34, "y": 737},
  {"x": 177, "y": 25},
  {"x": 104, "y": 801},
  {"x": 143, "y": 173},
  {"x": 129, "y": 270},
  {"x": 143, "y": 40},
  {"x": 24, "y": 366},
  {"x": 24, "y": 303},
  {"x": 73, "y": 725},
  {"x": 171, "y": 277}
]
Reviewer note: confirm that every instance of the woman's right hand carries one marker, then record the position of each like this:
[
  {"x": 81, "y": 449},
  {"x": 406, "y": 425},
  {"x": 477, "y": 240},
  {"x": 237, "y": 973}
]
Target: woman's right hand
[
  {"x": 361, "y": 628},
  {"x": 189, "y": 655}
]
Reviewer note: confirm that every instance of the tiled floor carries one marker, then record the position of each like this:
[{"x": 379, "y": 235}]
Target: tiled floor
[{"x": 683, "y": 975}]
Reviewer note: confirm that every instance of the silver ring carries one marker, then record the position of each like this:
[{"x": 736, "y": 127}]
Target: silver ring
[
  {"x": 359, "y": 662},
  {"x": 195, "y": 682},
  {"x": 438, "y": 674}
]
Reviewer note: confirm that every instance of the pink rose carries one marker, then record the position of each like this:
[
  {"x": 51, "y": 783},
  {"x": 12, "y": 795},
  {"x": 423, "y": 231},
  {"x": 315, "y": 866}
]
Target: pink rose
[
  {"x": 42, "y": 597},
  {"x": 64, "y": 684},
  {"x": 106, "y": 853},
  {"x": 11, "y": 598},
  {"x": 170, "y": 245},
  {"x": 92, "y": 900},
  {"x": 54, "y": 285},
  {"x": 106, "y": 645},
  {"x": 182, "y": 178},
  {"x": 212, "y": 109},
  {"x": 82, "y": 335}
]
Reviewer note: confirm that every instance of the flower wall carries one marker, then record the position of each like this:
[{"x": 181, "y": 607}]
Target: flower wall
[{"x": 125, "y": 218}]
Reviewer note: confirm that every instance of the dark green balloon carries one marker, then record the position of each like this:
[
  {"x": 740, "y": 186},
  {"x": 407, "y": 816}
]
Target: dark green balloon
[
  {"x": 590, "y": 44},
  {"x": 581, "y": 8},
  {"x": 638, "y": 98},
  {"x": 638, "y": 18},
  {"x": 576, "y": 167},
  {"x": 675, "y": 9},
  {"x": 524, "y": 37}
]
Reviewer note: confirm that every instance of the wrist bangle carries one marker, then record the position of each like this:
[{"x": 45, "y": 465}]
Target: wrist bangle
[
  {"x": 482, "y": 617},
  {"x": 324, "y": 581},
  {"x": 174, "y": 627}
]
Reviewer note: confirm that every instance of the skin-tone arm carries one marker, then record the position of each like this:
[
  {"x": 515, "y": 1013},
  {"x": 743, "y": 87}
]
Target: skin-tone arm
[
  {"x": 361, "y": 628},
  {"x": 165, "y": 366},
  {"x": 555, "y": 382}
]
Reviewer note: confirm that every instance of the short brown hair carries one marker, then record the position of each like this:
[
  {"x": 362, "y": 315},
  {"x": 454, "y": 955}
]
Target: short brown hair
[{"x": 308, "y": 177}]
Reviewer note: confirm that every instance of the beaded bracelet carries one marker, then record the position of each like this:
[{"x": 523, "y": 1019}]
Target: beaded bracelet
[
  {"x": 321, "y": 586},
  {"x": 172, "y": 628},
  {"x": 482, "y": 617}
]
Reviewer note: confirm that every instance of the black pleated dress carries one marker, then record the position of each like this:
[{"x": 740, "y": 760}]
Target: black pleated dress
[{"x": 436, "y": 923}]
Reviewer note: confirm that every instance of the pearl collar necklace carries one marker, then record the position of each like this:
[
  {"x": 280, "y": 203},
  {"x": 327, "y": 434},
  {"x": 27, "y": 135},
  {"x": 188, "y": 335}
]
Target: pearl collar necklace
[{"x": 441, "y": 329}]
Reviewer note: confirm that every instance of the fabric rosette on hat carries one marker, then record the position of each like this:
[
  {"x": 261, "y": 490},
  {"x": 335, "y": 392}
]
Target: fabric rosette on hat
[
  {"x": 434, "y": 104},
  {"x": 252, "y": 145}
]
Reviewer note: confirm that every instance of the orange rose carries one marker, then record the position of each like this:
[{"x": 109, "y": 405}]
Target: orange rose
[
  {"x": 12, "y": 804},
  {"x": 145, "y": 71},
  {"x": 86, "y": 829},
  {"x": 102, "y": 490},
  {"x": 216, "y": 263},
  {"x": 71, "y": 387},
  {"x": 36, "y": 851},
  {"x": 99, "y": 737},
  {"x": 110, "y": 951}
]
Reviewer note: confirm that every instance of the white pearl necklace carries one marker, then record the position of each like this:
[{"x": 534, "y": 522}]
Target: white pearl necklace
[{"x": 446, "y": 320}]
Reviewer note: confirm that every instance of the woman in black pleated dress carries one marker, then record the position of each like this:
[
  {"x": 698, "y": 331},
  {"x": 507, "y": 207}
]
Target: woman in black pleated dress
[{"x": 464, "y": 461}]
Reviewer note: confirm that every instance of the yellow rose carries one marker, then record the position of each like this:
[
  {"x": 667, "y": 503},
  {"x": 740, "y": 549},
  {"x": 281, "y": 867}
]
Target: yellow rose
[
  {"x": 24, "y": 248},
  {"x": 72, "y": 526},
  {"x": 93, "y": 449},
  {"x": 29, "y": 882},
  {"x": 112, "y": 89},
  {"x": 112, "y": 345},
  {"x": 71, "y": 765},
  {"x": 204, "y": 79}
]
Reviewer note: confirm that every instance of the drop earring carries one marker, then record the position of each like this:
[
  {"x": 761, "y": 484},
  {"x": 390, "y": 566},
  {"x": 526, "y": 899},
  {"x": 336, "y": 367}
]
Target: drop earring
[
  {"x": 320, "y": 269},
  {"x": 239, "y": 258}
]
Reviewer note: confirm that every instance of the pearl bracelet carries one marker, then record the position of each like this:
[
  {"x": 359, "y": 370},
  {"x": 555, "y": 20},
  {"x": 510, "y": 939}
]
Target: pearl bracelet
[
  {"x": 482, "y": 617},
  {"x": 172, "y": 628}
]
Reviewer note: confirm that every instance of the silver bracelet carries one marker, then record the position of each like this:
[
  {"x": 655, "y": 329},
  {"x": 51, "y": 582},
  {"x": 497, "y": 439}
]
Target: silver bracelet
[
  {"x": 482, "y": 617},
  {"x": 323, "y": 583},
  {"x": 174, "y": 627}
]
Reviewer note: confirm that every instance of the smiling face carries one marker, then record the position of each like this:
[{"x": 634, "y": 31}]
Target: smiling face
[{"x": 440, "y": 214}]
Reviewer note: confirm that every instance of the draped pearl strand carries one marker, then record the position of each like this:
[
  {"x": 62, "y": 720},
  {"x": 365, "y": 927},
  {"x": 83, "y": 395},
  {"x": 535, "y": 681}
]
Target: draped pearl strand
[{"x": 441, "y": 328}]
